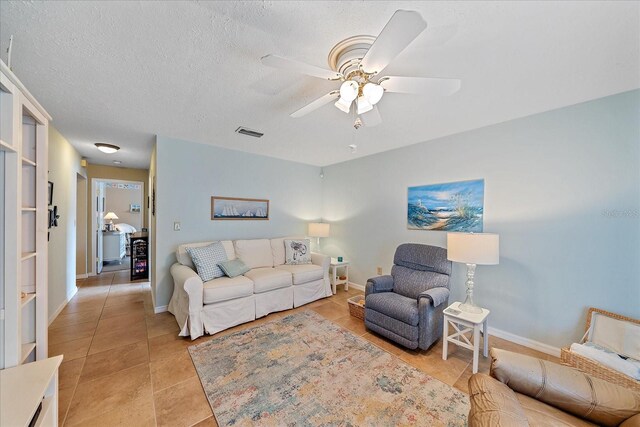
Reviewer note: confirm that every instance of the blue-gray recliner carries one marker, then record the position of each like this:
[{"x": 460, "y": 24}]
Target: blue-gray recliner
[{"x": 407, "y": 306}]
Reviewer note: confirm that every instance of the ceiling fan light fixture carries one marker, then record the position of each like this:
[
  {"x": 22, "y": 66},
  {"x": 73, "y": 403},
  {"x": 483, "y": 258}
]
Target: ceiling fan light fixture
[
  {"x": 107, "y": 148},
  {"x": 364, "y": 105},
  {"x": 343, "y": 105},
  {"x": 373, "y": 92},
  {"x": 349, "y": 90}
]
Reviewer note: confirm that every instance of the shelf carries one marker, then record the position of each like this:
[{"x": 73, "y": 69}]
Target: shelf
[
  {"x": 27, "y": 255},
  {"x": 28, "y": 162},
  {"x": 25, "y": 209},
  {"x": 6, "y": 147},
  {"x": 26, "y": 299},
  {"x": 27, "y": 349}
]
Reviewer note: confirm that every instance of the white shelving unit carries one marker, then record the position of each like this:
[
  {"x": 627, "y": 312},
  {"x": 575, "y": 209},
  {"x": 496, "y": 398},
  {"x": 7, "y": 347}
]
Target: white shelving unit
[
  {"x": 24, "y": 215},
  {"x": 24, "y": 388}
]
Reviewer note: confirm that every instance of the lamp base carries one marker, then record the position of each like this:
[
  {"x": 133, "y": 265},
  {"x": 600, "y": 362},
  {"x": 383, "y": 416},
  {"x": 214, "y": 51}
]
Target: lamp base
[{"x": 468, "y": 306}]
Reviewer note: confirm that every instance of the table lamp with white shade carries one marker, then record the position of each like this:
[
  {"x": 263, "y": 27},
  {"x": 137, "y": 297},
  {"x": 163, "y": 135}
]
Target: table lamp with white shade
[
  {"x": 318, "y": 230},
  {"x": 110, "y": 216},
  {"x": 473, "y": 249}
]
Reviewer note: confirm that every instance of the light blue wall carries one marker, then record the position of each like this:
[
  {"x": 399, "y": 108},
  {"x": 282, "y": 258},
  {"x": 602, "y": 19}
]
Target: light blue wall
[
  {"x": 550, "y": 180},
  {"x": 188, "y": 174}
]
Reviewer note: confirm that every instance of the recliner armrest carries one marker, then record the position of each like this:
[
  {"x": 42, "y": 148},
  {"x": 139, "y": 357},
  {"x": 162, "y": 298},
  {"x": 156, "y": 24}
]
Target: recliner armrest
[
  {"x": 379, "y": 284},
  {"x": 437, "y": 296}
]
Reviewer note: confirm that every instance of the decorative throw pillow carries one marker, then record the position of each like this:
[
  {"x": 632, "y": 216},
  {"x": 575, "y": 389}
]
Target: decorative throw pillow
[
  {"x": 206, "y": 259},
  {"x": 233, "y": 268},
  {"x": 297, "y": 251}
]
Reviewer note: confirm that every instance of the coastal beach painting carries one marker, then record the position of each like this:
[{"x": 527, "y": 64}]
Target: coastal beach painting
[
  {"x": 225, "y": 208},
  {"x": 452, "y": 206}
]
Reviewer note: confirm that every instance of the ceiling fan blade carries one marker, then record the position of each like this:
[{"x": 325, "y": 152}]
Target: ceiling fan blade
[
  {"x": 403, "y": 27},
  {"x": 276, "y": 61},
  {"x": 423, "y": 85},
  {"x": 371, "y": 118},
  {"x": 331, "y": 96}
]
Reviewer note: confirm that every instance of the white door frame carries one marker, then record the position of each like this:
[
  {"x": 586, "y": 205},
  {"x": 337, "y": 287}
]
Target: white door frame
[{"x": 93, "y": 243}]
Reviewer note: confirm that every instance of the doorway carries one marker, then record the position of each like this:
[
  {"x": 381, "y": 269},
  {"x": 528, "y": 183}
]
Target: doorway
[
  {"x": 81, "y": 227},
  {"x": 117, "y": 212}
]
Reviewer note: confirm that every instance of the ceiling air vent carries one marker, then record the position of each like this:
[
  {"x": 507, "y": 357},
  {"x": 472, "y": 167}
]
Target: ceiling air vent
[{"x": 245, "y": 131}]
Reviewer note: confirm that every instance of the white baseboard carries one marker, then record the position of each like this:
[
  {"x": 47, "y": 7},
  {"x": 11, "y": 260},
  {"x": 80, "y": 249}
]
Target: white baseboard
[
  {"x": 160, "y": 309},
  {"x": 63, "y": 305},
  {"x": 536, "y": 345},
  {"x": 81, "y": 276},
  {"x": 357, "y": 286}
]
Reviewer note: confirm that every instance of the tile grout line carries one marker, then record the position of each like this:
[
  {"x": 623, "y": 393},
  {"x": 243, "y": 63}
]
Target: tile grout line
[{"x": 85, "y": 357}]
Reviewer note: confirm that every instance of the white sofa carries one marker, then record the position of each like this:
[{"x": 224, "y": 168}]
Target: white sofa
[{"x": 269, "y": 286}]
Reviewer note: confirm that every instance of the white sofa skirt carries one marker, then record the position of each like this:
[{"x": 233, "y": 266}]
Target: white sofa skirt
[
  {"x": 275, "y": 300},
  {"x": 309, "y": 292},
  {"x": 223, "y": 315}
]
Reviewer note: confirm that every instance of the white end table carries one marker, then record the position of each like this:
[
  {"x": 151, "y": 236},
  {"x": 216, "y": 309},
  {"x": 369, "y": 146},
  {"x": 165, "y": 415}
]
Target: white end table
[
  {"x": 334, "y": 277},
  {"x": 464, "y": 322}
]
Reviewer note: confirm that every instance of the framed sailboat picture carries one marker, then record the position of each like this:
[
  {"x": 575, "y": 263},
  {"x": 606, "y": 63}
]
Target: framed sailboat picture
[{"x": 227, "y": 208}]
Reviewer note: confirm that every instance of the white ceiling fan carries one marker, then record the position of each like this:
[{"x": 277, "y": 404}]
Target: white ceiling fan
[{"x": 357, "y": 61}]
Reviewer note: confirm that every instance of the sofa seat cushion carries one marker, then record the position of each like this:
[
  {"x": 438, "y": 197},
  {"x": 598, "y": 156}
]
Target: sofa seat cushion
[
  {"x": 303, "y": 273},
  {"x": 395, "y": 306},
  {"x": 267, "y": 279},
  {"x": 226, "y": 288}
]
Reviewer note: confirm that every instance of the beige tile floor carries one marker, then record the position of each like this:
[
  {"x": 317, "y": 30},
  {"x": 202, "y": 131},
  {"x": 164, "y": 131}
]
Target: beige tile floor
[{"x": 125, "y": 365}]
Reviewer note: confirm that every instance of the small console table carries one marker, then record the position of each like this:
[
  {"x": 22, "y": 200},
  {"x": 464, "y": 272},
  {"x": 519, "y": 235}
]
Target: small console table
[
  {"x": 462, "y": 323},
  {"x": 335, "y": 268}
]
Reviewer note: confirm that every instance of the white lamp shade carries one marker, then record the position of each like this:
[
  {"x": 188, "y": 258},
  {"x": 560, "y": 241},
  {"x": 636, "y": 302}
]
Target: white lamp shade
[
  {"x": 318, "y": 229},
  {"x": 364, "y": 105},
  {"x": 473, "y": 248},
  {"x": 349, "y": 90},
  {"x": 373, "y": 92},
  {"x": 111, "y": 215},
  {"x": 343, "y": 105}
]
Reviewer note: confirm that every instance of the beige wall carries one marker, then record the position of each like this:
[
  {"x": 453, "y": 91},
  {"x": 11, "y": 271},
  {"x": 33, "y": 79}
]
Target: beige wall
[
  {"x": 64, "y": 167},
  {"x": 119, "y": 201},
  {"x": 111, "y": 172}
]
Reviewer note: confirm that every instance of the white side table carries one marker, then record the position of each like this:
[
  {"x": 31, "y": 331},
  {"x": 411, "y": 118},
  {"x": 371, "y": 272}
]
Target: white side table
[
  {"x": 463, "y": 323},
  {"x": 334, "y": 267}
]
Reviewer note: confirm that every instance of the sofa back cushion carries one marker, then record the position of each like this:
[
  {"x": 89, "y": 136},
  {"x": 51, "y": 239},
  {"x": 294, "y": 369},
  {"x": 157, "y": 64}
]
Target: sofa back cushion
[
  {"x": 567, "y": 389},
  {"x": 185, "y": 259},
  {"x": 254, "y": 253}
]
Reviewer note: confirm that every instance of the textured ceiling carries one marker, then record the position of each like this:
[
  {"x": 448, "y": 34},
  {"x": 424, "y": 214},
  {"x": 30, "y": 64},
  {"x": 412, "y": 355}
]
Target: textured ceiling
[{"x": 122, "y": 72}]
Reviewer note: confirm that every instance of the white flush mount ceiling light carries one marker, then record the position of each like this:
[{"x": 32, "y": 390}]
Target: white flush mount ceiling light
[
  {"x": 357, "y": 60},
  {"x": 107, "y": 148}
]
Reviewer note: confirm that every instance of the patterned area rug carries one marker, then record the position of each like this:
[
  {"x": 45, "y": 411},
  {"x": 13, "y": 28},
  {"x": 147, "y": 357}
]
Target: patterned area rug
[{"x": 305, "y": 370}]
